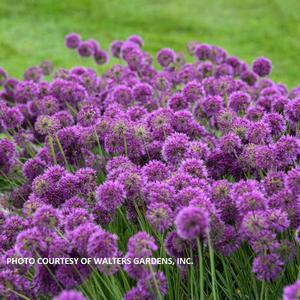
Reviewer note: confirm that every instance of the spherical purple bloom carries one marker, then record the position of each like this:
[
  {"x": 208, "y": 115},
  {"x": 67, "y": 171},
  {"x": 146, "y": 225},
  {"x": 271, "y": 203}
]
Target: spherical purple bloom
[
  {"x": 70, "y": 295},
  {"x": 29, "y": 243},
  {"x": 115, "y": 48},
  {"x": 258, "y": 133},
  {"x": 249, "y": 77},
  {"x": 136, "y": 39},
  {"x": 192, "y": 91},
  {"x": 212, "y": 105},
  {"x": 46, "y": 217},
  {"x": 101, "y": 57},
  {"x": 77, "y": 217},
  {"x": 111, "y": 194},
  {"x": 287, "y": 149},
  {"x": 202, "y": 51},
  {"x": 33, "y": 167},
  {"x": 262, "y": 66},
  {"x": 192, "y": 222},
  {"x": 89, "y": 115},
  {"x": 193, "y": 167},
  {"x": 165, "y": 57},
  {"x": 12, "y": 118},
  {"x": 274, "y": 182},
  {"x": 85, "y": 49},
  {"x": 122, "y": 94},
  {"x": 239, "y": 101},
  {"x": 177, "y": 102},
  {"x": 155, "y": 171},
  {"x": 175, "y": 148},
  {"x": 293, "y": 180},
  {"x": 46, "y": 124},
  {"x": 102, "y": 244},
  {"x": 49, "y": 105},
  {"x": 267, "y": 267},
  {"x": 148, "y": 284},
  {"x": 141, "y": 244},
  {"x": 65, "y": 118},
  {"x": 33, "y": 74},
  {"x": 275, "y": 122},
  {"x": 46, "y": 67},
  {"x": 159, "y": 216},
  {"x": 72, "y": 40},
  {"x": 292, "y": 291},
  {"x": 136, "y": 293},
  {"x": 230, "y": 143},
  {"x": 142, "y": 92},
  {"x": 251, "y": 201}
]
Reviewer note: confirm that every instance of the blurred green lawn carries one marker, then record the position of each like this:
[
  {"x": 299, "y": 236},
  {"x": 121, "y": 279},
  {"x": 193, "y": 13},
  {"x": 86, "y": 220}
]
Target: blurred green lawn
[{"x": 32, "y": 31}]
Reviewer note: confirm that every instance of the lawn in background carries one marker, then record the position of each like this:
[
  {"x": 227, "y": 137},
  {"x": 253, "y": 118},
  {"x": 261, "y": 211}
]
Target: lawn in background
[{"x": 32, "y": 31}]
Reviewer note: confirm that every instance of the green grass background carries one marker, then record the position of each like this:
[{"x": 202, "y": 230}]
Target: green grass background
[{"x": 31, "y": 31}]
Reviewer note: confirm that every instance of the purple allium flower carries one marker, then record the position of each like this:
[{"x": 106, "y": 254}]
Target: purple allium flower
[
  {"x": 159, "y": 192},
  {"x": 29, "y": 243},
  {"x": 46, "y": 217},
  {"x": 258, "y": 133},
  {"x": 292, "y": 110},
  {"x": 192, "y": 91},
  {"x": 239, "y": 101},
  {"x": 69, "y": 295},
  {"x": 115, "y": 48},
  {"x": 142, "y": 92},
  {"x": 292, "y": 292},
  {"x": 65, "y": 118},
  {"x": 141, "y": 244},
  {"x": 33, "y": 74},
  {"x": 3, "y": 77},
  {"x": 267, "y": 267},
  {"x": 80, "y": 235},
  {"x": 33, "y": 167},
  {"x": 262, "y": 66},
  {"x": 12, "y": 118},
  {"x": 274, "y": 182},
  {"x": 46, "y": 124},
  {"x": 174, "y": 148},
  {"x": 49, "y": 105},
  {"x": 89, "y": 115},
  {"x": 101, "y": 57},
  {"x": 159, "y": 216},
  {"x": 165, "y": 57},
  {"x": 77, "y": 217},
  {"x": 192, "y": 222},
  {"x": 85, "y": 49},
  {"x": 111, "y": 194},
  {"x": 251, "y": 201},
  {"x": 212, "y": 105},
  {"x": 287, "y": 149},
  {"x": 148, "y": 284},
  {"x": 102, "y": 244},
  {"x": 72, "y": 40},
  {"x": 136, "y": 293},
  {"x": 46, "y": 67},
  {"x": 230, "y": 143},
  {"x": 68, "y": 185},
  {"x": 155, "y": 171},
  {"x": 276, "y": 123},
  {"x": 136, "y": 39},
  {"x": 122, "y": 95},
  {"x": 202, "y": 51},
  {"x": 193, "y": 167},
  {"x": 26, "y": 91},
  {"x": 249, "y": 77},
  {"x": 293, "y": 180},
  {"x": 177, "y": 102}
]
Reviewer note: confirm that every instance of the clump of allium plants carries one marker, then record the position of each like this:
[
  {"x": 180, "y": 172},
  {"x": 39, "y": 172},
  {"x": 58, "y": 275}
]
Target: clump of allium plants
[{"x": 152, "y": 163}]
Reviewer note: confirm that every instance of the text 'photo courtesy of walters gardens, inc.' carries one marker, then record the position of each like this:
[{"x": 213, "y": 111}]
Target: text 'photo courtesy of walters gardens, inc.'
[{"x": 99, "y": 261}]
